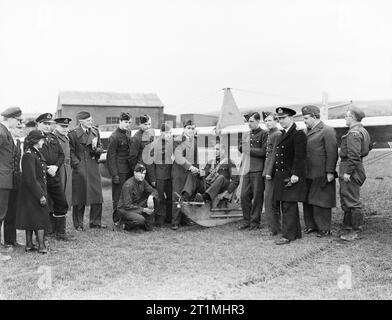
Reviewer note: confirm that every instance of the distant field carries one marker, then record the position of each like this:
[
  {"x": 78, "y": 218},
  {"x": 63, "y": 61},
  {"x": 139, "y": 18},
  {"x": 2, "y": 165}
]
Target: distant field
[{"x": 215, "y": 263}]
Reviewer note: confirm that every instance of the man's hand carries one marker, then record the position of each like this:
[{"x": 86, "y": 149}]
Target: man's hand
[
  {"x": 268, "y": 177},
  {"x": 154, "y": 184},
  {"x": 148, "y": 211},
  {"x": 116, "y": 180},
  {"x": 150, "y": 202},
  {"x": 42, "y": 201},
  {"x": 294, "y": 179},
  {"x": 346, "y": 177},
  {"x": 202, "y": 173},
  {"x": 330, "y": 177},
  {"x": 52, "y": 170},
  {"x": 194, "y": 170}
]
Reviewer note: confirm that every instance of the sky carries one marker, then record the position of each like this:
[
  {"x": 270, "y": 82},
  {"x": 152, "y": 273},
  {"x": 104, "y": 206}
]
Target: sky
[{"x": 269, "y": 52}]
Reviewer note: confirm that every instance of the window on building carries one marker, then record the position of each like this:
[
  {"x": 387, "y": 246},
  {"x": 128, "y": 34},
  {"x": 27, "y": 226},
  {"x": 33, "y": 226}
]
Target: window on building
[{"x": 112, "y": 120}]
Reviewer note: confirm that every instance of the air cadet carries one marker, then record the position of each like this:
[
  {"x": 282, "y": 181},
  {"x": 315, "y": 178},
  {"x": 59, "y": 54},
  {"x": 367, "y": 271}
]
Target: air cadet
[
  {"x": 252, "y": 191},
  {"x": 290, "y": 174},
  {"x": 117, "y": 159},
  {"x": 321, "y": 158},
  {"x": 11, "y": 118},
  {"x": 54, "y": 157},
  {"x": 355, "y": 145},
  {"x": 138, "y": 202},
  {"x": 86, "y": 149},
  {"x": 143, "y": 137},
  {"x": 272, "y": 212},
  {"x": 61, "y": 132},
  {"x": 221, "y": 177},
  {"x": 33, "y": 212},
  {"x": 162, "y": 149},
  {"x": 185, "y": 163}
]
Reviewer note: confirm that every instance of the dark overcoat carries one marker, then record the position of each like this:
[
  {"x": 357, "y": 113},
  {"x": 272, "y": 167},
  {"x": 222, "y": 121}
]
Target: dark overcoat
[
  {"x": 118, "y": 158},
  {"x": 185, "y": 156},
  {"x": 7, "y": 154},
  {"x": 321, "y": 158},
  {"x": 30, "y": 215},
  {"x": 65, "y": 170},
  {"x": 86, "y": 179},
  {"x": 290, "y": 159}
]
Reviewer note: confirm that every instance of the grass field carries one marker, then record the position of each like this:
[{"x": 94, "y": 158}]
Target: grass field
[{"x": 214, "y": 263}]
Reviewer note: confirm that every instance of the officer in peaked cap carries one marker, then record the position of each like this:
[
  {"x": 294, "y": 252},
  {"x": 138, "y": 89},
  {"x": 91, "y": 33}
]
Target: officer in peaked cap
[
  {"x": 290, "y": 174},
  {"x": 64, "y": 122},
  {"x": 11, "y": 118},
  {"x": 45, "y": 117},
  {"x": 282, "y": 112},
  {"x": 54, "y": 156},
  {"x": 61, "y": 132}
]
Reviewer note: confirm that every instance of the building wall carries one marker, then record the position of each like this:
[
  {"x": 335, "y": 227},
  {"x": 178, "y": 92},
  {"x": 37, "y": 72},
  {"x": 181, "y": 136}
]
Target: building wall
[
  {"x": 100, "y": 113},
  {"x": 170, "y": 119},
  {"x": 200, "y": 120}
]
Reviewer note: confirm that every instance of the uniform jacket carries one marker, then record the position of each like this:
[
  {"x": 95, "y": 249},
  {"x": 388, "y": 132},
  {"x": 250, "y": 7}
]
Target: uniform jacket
[
  {"x": 133, "y": 192},
  {"x": 162, "y": 154},
  {"x": 30, "y": 214},
  {"x": 228, "y": 169},
  {"x": 86, "y": 179},
  {"x": 256, "y": 144},
  {"x": 272, "y": 141},
  {"x": 185, "y": 156},
  {"x": 118, "y": 153},
  {"x": 53, "y": 153},
  {"x": 321, "y": 158},
  {"x": 351, "y": 153},
  {"x": 138, "y": 143},
  {"x": 290, "y": 159},
  {"x": 7, "y": 154},
  {"x": 65, "y": 170}
]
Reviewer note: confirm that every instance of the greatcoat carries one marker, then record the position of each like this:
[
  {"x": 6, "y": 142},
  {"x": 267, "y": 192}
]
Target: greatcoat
[
  {"x": 65, "y": 170},
  {"x": 321, "y": 158},
  {"x": 86, "y": 179}
]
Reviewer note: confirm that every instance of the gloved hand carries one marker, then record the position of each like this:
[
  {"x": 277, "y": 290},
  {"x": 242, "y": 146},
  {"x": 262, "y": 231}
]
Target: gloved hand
[
  {"x": 116, "y": 179},
  {"x": 42, "y": 201}
]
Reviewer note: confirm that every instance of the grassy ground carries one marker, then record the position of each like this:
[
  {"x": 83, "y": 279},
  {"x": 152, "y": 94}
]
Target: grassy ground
[{"x": 215, "y": 263}]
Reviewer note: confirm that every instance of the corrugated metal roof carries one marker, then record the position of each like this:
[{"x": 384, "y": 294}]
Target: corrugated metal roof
[{"x": 109, "y": 99}]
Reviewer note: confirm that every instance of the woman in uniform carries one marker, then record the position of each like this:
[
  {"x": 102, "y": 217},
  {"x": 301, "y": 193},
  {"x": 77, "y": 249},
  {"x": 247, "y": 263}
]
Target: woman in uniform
[{"x": 33, "y": 211}]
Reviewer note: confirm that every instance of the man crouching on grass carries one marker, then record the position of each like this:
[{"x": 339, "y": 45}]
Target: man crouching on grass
[{"x": 138, "y": 202}]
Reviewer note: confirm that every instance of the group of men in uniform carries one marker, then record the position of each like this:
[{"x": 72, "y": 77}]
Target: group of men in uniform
[
  {"x": 149, "y": 175},
  {"x": 300, "y": 166},
  {"x": 72, "y": 176}
]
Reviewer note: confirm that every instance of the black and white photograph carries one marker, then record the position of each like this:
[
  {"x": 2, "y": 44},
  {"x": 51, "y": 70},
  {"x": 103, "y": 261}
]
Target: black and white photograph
[{"x": 217, "y": 151}]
